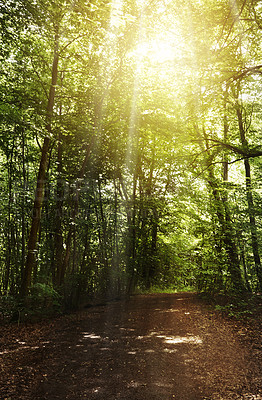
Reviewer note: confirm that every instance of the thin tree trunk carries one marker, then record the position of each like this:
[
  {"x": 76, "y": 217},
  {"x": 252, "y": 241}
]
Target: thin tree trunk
[
  {"x": 62, "y": 268},
  {"x": 243, "y": 259},
  {"x": 23, "y": 204},
  {"x": 227, "y": 237},
  {"x": 86, "y": 245},
  {"x": 103, "y": 242},
  {"x": 9, "y": 246},
  {"x": 226, "y": 227},
  {"x": 39, "y": 193},
  {"x": 104, "y": 227},
  {"x": 115, "y": 264},
  {"x": 250, "y": 202},
  {"x": 252, "y": 223},
  {"x": 58, "y": 236},
  {"x": 132, "y": 240}
]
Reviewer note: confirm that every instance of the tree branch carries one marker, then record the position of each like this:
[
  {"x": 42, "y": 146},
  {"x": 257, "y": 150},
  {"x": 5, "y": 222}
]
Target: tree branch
[{"x": 247, "y": 153}]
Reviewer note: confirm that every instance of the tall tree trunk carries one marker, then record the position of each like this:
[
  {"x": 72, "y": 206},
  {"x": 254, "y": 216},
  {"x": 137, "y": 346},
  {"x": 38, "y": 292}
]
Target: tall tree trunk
[
  {"x": 23, "y": 203},
  {"x": 86, "y": 245},
  {"x": 10, "y": 222},
  {"x": 63, "y": 267},
  {"x": 131, "y": 211},
  {"x": 241, "y": 245},
  {"x": 250, "y": 202},
  {"x": 58, "y": 237},
  {"x": 227, "y": 231},
  {"x": 252, "y": 223},
  {"x": 103, "y": 242},
  {"x": 115, "y": 245},
  {"x": 227, "y": 237},
  {"x": 40, "y": 185}
]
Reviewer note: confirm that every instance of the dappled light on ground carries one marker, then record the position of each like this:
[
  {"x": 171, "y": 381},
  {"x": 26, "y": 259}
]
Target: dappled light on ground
[
  {"x": 139, "y": 350},
  {"x": 91, "y": 336},
  {"x": 21, "y": 348},
  {"x": 179, "y": 339}
]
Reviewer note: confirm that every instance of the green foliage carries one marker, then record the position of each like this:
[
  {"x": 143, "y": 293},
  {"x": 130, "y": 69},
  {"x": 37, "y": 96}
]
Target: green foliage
[
  {"x": 42, "y": 302},
  {"x": 162, "y": 289},
  {"x": 44, "y": 299},
  {"x": 239, "y": 308},
  {"x": 146, "y": 185},
  {"x": 235, "y": 311}
]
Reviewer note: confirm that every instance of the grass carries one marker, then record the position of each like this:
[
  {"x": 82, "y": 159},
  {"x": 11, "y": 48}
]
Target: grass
[{"x": 168, "y": 290}]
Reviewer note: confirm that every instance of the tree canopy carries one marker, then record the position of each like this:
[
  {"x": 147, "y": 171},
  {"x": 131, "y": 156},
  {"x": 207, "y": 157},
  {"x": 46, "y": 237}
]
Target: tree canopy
[{"x": 130, "y": 147}]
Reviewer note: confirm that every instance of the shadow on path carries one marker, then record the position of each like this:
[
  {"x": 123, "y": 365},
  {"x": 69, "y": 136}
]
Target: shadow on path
[{"x": 153, "y": 347}]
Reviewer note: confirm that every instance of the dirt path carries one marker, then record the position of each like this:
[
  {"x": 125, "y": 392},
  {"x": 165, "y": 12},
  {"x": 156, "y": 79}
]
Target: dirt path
[{"x": 153, "y": 347}]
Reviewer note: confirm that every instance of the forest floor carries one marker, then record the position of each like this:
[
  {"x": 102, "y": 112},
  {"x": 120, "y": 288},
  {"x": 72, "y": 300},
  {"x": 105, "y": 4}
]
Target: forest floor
[{"x": 151, "y": 347}]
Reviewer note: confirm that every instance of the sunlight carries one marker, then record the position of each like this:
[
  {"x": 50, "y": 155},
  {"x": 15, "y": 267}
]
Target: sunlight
[
  {"x": 181, "y": 339},
  {"x": 156, "y": 57},
  {"x": 170, "y": 351},
  {"x": 91, "y": 336},
  {"x": 116, "y": 15},
  {"x": 126, "y": 329},
  {"x": 161, "y": 40},
  {"x": 173, "y": 339},
  {"x": 19, "y": 349},
  {"x": 157, "y": 51},
  {"x": 163, "y": 48}
]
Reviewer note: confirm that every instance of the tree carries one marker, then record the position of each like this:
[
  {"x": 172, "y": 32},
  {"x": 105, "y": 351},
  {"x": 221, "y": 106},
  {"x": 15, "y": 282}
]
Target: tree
[{"x": 139, "y": 127}]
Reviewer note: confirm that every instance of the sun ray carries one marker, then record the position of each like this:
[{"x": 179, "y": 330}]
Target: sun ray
[{"x": 131, "y": 145}]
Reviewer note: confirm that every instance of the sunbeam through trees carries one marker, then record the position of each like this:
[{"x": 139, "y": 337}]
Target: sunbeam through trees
[{"x": 130, "y": 149}]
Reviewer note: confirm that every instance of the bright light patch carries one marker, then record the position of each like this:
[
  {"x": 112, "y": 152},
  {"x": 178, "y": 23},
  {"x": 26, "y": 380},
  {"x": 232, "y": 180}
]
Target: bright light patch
[
  {"x": 91, "y": 336},
  {"x": 157, "y": 51},
  {"x": 163, "y": 48},
  {"x": 181, "y": 339},
  {"x": 170, "y": 351},
  {"x": 116, "y": 17}
]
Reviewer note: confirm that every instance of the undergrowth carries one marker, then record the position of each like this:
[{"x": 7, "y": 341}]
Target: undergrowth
[
  {"x": 159, "y": 289},
  {"x": 238, "y": 307},
  {"x": 43, "y": 301}
]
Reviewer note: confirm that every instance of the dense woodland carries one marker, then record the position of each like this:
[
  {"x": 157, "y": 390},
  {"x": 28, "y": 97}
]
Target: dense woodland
[{"x": 130, "y": 148}]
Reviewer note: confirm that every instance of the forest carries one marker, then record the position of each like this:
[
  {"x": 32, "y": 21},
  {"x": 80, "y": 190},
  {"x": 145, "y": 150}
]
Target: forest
[{"x": 130, "y": 148}]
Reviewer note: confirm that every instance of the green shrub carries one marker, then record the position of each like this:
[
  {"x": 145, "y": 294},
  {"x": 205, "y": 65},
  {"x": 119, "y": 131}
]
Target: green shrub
[{"x": 44, "y": 298}]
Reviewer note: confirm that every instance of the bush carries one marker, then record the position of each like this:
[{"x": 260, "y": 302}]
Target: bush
[
  {"x": 8, "y": 305},
  {"x": 44, "y": 299}
]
